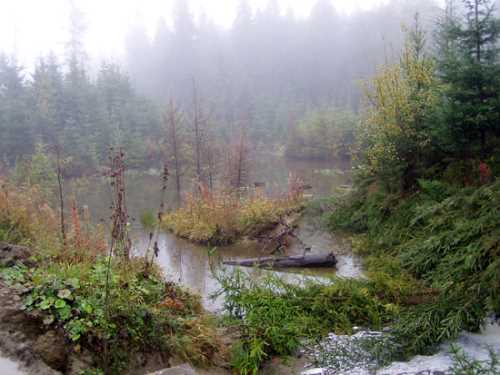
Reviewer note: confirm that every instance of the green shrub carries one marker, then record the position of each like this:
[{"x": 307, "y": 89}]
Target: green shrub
[
  {"x": 140, "y": 314},
  {"x": 324, "y": 135},
  {"x": 148, "y": 220},
  {"x": 275, "y": 316},
  {"x": 443, "y": 236}
]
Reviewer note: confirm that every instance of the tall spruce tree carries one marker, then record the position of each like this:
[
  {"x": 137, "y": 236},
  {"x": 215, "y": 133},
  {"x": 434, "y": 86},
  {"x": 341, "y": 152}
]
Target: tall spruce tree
[
  {"x": 48, "y": 98},
  {"x": 15, "y": 128},
  {"x": 470, "y": 68}
]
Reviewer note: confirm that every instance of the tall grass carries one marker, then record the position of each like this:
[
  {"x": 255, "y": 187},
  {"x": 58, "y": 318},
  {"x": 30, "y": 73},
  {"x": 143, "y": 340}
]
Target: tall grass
[
  {"x": 275, "y": 317},
  {"x": 25, "y": 216},
  {"x": 221, "y": 217}
]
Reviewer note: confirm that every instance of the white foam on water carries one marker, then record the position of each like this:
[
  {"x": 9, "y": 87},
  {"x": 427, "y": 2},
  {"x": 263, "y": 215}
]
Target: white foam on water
[{"x": 474, "y": 345}]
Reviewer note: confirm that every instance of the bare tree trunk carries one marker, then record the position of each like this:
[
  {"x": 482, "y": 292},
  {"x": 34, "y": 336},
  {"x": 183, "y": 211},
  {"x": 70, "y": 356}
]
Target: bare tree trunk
[
  {"x": 201, "y": 139},
  {"x": 211, "y": 163},
  {"x": 198, "y": 141},
  {"x": 238, "y": 162},
  {"x": 119, "y": 233},
  {"x": 173, "y": 119},
  {"x": 61, "y": 194},
  {"x": 326, "y": 260}
]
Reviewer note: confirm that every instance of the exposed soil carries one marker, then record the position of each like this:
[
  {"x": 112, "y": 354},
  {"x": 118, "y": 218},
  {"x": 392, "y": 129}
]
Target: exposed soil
[
  {"x": 19, "y": 334},
  {"x": 26, "y": 341}
]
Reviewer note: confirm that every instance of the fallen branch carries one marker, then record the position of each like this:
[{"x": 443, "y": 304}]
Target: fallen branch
[{"x": 323, "y": 260}]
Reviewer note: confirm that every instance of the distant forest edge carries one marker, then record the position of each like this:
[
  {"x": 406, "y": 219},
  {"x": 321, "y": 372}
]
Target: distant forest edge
[{"x": 276, "y": 78}]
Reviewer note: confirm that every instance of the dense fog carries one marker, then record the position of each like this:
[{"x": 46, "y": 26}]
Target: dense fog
[{"x": 270, "y": 63}]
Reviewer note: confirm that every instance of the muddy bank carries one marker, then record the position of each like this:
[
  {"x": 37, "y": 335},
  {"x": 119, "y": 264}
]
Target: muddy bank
[
  {"x": 22, "y": 336},
  {"x": 31, "y": 347}
]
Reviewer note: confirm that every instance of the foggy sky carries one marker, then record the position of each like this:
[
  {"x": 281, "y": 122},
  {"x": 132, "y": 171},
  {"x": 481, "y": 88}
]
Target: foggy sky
[{"x": 30, "y": 28}]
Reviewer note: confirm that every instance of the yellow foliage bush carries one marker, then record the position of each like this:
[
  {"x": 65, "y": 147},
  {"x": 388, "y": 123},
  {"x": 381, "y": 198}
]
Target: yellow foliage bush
[
  {"x": 219, "y": 218},
  {"x": 25, "y": 216}
]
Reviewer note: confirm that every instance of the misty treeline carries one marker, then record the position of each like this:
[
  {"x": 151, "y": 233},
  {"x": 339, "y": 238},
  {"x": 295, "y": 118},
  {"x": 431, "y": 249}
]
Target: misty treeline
[
  {"x": 272, "y": 79},
  {"x": 262, "y": 75},
  {"x": 61, "y": 106},
  {"x": 270, "y": 67}
]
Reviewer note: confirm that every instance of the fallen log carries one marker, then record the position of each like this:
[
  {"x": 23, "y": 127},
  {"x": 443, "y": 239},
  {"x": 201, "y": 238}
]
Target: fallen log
[{"x": 323, "y": 260}]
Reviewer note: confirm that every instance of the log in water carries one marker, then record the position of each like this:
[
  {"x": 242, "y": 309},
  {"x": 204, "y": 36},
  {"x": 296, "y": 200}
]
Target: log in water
[{"x": 313, "y": 261}]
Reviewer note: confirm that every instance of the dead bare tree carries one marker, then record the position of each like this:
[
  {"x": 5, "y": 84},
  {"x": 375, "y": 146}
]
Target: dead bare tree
[
  {"x": 153, "y": 236},
  {"x": 212, "y": 158},
  {"x": 120, "y": 241},
  {"x": 200, "y": 121},
  {"x": 238, "y": 162},
  {"x": 60, "y": 193},
  {"x": 197, "y": 132},
  {"x": 173, "y": 120}
]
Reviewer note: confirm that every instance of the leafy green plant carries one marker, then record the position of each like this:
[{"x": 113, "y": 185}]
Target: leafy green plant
[
  {"x": 144, "y": 313},
  {"x": 14, "y": 275},
  {"x": 275, "y": 316}
]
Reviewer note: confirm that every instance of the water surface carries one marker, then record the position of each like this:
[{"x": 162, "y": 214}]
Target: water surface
[{"x": 190, "y": 264}]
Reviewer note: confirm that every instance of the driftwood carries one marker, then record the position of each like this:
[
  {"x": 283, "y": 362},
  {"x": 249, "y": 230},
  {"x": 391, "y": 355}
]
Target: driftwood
[
  {"x": 324, "y": 260},
  {"x": 278, "y": 239}
]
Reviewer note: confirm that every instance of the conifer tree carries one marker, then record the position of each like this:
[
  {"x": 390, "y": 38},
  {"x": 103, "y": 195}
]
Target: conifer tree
[{"x": 470, "y": 69}]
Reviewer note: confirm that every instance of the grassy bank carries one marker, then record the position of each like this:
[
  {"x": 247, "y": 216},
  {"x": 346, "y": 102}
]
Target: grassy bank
[
  {"x": 275, "y": 317},
  {"x": 114, "y": 309},
  {"x": 445, "y": 236},
  {"x": 220, "y": 218},
  {"x": 432, "y": 265}
]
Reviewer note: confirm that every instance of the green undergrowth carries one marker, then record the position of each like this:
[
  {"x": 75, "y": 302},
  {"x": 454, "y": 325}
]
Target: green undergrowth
[
  {"x": 119, "y": 310},
  {"x": 432, "y": 270},
  {"x": 275, "y": 317},
  {"x": 142, "y": 313},
  {"x": 444, "y": 236}
]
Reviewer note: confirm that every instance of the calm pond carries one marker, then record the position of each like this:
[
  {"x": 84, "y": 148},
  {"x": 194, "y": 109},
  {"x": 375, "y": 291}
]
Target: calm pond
[{"x": 190, "y": 264}]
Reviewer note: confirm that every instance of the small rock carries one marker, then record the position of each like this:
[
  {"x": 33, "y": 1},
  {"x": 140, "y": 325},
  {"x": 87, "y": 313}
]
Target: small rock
[
  {"x": 314, "y": 371},
  {"x": 12, "y": 254},
  {"x": 184, "y": 369}
]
